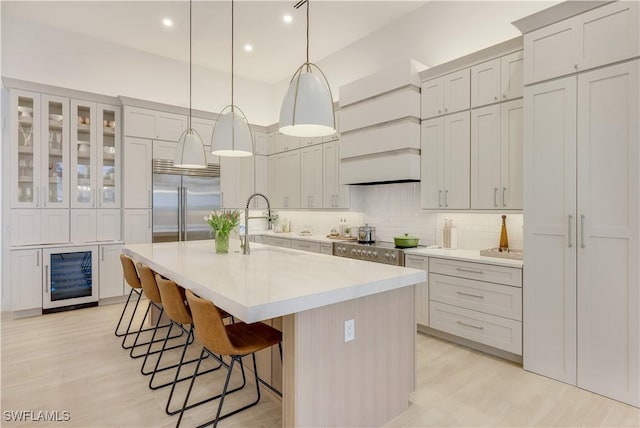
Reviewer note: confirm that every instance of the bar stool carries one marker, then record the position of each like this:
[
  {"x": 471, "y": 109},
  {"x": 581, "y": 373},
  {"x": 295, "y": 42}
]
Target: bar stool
[
  {"x": 232, "y": 340},
  {"x": 132, "y": 278},
  {"x": 150, "y": 290},
  {"x": 175, "y": 306}
]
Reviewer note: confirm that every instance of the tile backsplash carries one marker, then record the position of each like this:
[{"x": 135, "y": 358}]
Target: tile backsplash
[{"x": 394, "y": 209}]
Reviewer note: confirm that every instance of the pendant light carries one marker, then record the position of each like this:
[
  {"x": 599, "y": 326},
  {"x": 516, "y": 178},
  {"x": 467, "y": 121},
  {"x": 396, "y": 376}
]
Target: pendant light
[
  {"x": 231, "y": 134},
  {"x": 307, "y": 108},
  {"x": 190, "y": 151}
]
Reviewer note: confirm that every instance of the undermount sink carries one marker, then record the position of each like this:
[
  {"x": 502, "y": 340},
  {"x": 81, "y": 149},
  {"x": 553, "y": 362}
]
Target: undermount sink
[{"x": 509, "y": 254}]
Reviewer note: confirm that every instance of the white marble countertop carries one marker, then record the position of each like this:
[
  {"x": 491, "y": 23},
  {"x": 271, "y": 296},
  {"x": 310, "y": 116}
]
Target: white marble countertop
[
  {"x": 271, "y": 281},
  {"x": 465, "y": 255}
]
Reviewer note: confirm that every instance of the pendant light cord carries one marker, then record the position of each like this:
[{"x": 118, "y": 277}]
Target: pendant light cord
[
  {"x": 308, "y": 31},
  {"x": 190, "y": 72},
  {"x": 232, "y": 6}
]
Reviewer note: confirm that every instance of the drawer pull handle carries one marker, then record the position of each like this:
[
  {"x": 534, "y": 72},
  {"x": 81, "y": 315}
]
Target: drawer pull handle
[
  {"x": 477, "y": 296},
  {"x": 470, "y": 325},
  {"x": 470, "y": 270}
]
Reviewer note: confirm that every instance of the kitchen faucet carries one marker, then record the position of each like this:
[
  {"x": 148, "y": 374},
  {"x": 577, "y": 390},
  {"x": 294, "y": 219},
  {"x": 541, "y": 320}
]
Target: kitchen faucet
[{"x": 245, "y": 246}]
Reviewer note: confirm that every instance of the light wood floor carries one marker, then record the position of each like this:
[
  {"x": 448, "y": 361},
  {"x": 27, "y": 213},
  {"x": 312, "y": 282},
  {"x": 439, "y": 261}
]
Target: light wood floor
[{"x": 72, "y": 362}]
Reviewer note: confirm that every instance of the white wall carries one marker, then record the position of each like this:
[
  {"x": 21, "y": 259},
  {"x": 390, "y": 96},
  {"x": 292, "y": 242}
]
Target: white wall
[{"x": 48, "y": 55}]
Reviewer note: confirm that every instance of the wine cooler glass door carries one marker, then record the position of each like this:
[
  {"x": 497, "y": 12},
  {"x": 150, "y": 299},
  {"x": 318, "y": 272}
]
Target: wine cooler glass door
[{"x": 70, "y": 276}]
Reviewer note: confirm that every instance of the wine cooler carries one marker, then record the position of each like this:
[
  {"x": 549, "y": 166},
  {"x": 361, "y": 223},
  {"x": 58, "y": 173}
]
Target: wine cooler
[{"x": 70, "y": 279}]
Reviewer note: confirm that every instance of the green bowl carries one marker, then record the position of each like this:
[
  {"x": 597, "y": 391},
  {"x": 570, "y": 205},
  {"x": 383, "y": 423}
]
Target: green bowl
[{"x": 405, "y": 241}]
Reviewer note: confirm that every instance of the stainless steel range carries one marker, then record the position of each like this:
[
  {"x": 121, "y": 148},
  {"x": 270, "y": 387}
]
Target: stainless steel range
[{"x": 379, "y": 252}]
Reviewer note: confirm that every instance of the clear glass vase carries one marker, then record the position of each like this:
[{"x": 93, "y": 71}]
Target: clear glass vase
[{"x": 222, "y": 242}]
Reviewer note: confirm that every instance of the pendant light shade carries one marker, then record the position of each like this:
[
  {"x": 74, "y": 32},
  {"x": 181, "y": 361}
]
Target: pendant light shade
[
  {"x": 307, "y": 108},
  {"x": 190, "y": 151},
  {"x": 231, "y": 134}
]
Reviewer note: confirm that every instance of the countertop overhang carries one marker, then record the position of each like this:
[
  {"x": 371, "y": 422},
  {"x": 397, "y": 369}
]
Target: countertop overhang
[{"x": 271, "y": 281}]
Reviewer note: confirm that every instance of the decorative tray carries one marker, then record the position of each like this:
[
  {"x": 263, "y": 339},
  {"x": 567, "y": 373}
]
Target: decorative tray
[
  {"x": 342, "y": 238},
  {"x": 509, "y": 254}
]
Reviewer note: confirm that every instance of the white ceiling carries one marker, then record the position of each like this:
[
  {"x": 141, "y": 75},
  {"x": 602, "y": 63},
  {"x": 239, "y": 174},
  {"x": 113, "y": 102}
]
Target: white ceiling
[{"x": 279, "y": 48}]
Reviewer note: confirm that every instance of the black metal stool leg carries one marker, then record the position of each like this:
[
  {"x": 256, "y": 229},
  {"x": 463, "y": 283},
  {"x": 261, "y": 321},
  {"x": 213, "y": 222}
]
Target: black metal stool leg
[{"x": 124, "y": 310}]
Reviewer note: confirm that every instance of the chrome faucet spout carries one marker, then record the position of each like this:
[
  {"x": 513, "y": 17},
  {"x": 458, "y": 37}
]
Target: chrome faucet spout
[{"x": 245, "y": 247}]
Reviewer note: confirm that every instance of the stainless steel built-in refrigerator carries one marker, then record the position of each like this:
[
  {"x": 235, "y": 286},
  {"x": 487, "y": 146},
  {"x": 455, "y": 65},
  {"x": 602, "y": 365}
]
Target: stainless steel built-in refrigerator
[{"x": 181, "y": 198}]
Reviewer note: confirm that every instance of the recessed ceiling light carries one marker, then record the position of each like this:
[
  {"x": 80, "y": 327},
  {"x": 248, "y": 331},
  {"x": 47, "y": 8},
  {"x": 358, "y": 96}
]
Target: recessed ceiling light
[
  {"x": 248, "y": 47},
  {"x": 287, "y": 18},
  {"x": 167, "y": 22}
]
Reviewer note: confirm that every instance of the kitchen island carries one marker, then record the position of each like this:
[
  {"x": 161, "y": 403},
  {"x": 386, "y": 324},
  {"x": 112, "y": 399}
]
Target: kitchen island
[{"x": 326, "y": 381}]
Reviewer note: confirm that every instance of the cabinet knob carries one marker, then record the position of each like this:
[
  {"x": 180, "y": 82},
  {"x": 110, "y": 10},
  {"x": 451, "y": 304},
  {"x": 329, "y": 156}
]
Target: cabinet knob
[
  {"x": 445, "y": 110},
  {"x": 575, "y": 66},
  {"x": 439, "y": 111},
  {"x": 495, "y": 98},
  {"x": 504, "y": 96}
]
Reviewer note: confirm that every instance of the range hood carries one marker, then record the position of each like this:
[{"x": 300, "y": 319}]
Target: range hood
[
  {"x": 380, "y": 126},
  {"x": 387, "y": 153}
]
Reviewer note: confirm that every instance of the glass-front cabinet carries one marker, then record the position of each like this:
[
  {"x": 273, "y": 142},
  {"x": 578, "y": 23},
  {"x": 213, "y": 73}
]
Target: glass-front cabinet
[
  {"x": 83, "y": 153},
  {"x": 95, "y": 155},
  {"x": 25, "y": 149},
  {"x": 40, "y": 146},
  {"x": 55, "y": 152},
  {"x": 108, "y": 156}
]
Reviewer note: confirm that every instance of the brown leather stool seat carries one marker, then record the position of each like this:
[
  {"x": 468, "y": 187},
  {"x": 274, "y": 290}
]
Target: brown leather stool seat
[
  {"x": 133, "y": 280},
  {"x": 175, "y": 306},
  {"x": 150, "y": 290},
  {"x": 233, "y": 340}
]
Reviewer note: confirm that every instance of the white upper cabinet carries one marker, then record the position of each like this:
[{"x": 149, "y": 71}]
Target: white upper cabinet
[
  {"x": 287, "y": 180},
  {"x": 497, "y": 80},
  {"x": 284, "y": 143},
  {"x": 204, "y": 128},
  {"x": 512, "y": 75},
  {"x": 137, "y": 226},
  {"x": 261, "y": 143},
  {"x": 109, "y": 171},
  {"x": 260, "y": 163},
  {"x": 153, "y": 124},
  {"x": 84, "y": 153},
  {"x": 336, "y": 195},
  {"x": 496, "y": 156},
  {"x": 44, "y": 226},
  {"x": 137, "y": 169},
  {"x": 485, "y": 83},
  {"x": 445, "y": 165},
  {"x": 236, "y": 180},
  {"x": 446, "y": 94},
  {"x": 311, "y": 171},
  {"x": 603, "y": 35}
]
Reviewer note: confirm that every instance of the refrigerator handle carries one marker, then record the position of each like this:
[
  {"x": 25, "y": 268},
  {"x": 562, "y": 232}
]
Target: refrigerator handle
[
  {"x": 179, "y": 214},
  {"x": 184, "y": 213}
]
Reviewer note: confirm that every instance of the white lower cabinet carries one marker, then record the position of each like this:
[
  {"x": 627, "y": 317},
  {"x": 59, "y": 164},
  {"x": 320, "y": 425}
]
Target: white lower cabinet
[
  {"x": 39, "y": 226},
  {"x": 477, "y": 301},
  {"x": 313, "y": 247},
  {"x": 276, "y": 241},
  {"x": 137, "y": 226},
  {"x": 421, "y": 289},
  {"x": 111, "y": 276},
  {"x": 26, "y": 279}
]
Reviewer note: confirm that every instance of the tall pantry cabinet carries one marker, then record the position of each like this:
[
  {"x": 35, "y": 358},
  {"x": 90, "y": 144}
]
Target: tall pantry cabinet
[{"x": 582, "y": 222}]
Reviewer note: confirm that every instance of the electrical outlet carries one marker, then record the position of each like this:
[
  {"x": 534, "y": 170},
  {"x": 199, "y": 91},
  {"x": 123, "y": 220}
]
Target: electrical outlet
[{"x": 349, "y": 330}]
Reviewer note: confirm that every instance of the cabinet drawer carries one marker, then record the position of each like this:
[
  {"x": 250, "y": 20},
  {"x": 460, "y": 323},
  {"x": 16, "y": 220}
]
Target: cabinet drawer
[
  {"x": 277, "y": 242},
  {"x": 492, "y": 299},
  {"x": 483, "y": 272},
  {"x": 313, "y": 247},
  {"x": 487, "y": 329},
  {"x": 326, "y": 249}
]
